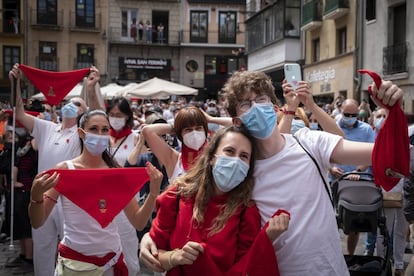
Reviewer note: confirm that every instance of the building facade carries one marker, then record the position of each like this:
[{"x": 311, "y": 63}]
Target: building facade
[{"x": 329, "y": 35}]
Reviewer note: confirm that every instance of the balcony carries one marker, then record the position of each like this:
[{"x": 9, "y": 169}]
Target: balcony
[
  {"x": 335, "y": 9},
  {"x": 84, "y": 23},
  {"x": 48, "y": 20},
  {"x": 12, "y": 28},
  {"x": 395, "y": 59},
  {"x": 311, "y": 15}
]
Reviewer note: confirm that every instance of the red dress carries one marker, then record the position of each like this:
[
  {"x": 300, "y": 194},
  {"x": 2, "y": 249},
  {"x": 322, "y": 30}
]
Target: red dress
[{"x": 240, "y": 248}]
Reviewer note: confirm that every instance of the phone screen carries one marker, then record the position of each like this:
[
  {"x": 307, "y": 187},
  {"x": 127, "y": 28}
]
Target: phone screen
[{"x": 293, "y": 74}]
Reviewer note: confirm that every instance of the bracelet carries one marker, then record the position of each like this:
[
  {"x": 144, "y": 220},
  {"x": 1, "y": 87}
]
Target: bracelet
[
  {"x": 170, "y": 257},
  {"x": 288, "y": 112},
  {"x": 45, "y": 196},
  {"x": 36, "y": 201}
]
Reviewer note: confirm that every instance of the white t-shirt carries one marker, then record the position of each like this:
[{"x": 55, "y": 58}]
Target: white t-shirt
[
  {"x": 290, "y": 180},
  {"x": 55, "y": 145}
]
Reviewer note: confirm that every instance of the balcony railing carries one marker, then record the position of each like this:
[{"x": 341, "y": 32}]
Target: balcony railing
[
  {"x": 85, "y": 23},
  {"x": 12, "y": 27},
  {"x": 50, "y": 20},
  {"x": 395, "y": 59},
  {"x": 311, "y": 15},
  {"x": 335, "y": 9}
]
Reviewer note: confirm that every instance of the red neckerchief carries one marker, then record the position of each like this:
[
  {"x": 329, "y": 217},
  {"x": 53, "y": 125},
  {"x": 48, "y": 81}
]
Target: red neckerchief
[
  {"x": 102, "y": 193},
  {"x": 54, "y": 85},
  {"x": 120, "y": 134},
  {"x": 188, "y": 156}
]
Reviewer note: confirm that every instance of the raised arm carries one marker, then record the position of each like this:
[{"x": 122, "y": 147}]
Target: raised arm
[
  {"x": 166, "y": 155},
  {"x": 25, "y": 119},
  {"x": 93, "y": 97}
]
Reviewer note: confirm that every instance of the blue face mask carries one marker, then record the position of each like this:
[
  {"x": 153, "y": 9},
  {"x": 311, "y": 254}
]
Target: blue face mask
[
  {"x": 229, "y": 172},
  {"x": 47, "y": 115},
  {"x": 260, "y": 120},
  {"x": 69, "y": 111},
  {"x": 96, "y": 144},
  {"x": 296, "y": 125},
  {"x": 314, "y": 126},
  {"x": 378, "y": 123},
  {"x": 349, "y": 121}
]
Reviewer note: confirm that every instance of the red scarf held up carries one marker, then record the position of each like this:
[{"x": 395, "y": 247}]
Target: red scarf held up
[
  {"x": 188, "y": 156},
  {"x": 102, "y": 193},
  {"x": 120, "y": 268},
  {"x": 391, "y": 153},
  {"x": 120, "y": 134},
  {"x": 54, "y": 85}
]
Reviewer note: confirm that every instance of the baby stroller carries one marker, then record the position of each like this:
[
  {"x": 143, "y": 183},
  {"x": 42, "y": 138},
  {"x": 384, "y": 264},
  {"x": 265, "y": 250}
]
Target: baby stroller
[{"x": 359, "y": 209}]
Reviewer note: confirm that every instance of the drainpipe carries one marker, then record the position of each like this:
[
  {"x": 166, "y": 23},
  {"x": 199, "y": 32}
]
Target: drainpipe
[{"x": 359, "y": 39}]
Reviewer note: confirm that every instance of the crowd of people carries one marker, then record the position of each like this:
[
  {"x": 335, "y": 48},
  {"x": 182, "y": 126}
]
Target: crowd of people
[{"x": 230, "y": 188}]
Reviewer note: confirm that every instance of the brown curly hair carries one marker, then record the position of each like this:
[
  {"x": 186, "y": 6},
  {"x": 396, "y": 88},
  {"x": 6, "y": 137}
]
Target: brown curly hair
[{"x": 242, "y": 83}]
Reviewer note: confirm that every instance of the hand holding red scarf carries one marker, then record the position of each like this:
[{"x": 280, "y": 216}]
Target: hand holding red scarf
[{"x": 390, "y": 156}]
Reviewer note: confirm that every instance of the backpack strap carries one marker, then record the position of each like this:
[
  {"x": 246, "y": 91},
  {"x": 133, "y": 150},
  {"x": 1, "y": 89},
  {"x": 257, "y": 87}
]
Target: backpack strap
[{"x": 319, "y": 170}]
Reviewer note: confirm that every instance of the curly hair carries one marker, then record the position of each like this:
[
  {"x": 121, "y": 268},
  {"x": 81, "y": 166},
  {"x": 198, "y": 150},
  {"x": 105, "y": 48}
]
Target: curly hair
[
  {"x": 199, "y": 182},
  {"x": 242, "y": 83}
]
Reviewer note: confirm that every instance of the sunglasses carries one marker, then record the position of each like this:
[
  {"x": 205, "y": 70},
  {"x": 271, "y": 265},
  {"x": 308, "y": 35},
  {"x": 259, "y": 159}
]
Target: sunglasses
[{"x": 350, "y": 114}]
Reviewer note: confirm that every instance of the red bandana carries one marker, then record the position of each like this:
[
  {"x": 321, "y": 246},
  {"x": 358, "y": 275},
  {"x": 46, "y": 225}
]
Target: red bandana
[
  {"x": 120, "y": 134},
  {"x": 102, "y": 193},
  {"x": 188, "y": 156},
  {"x": 54, "y": 85},
  {"x": 391, "y": 153}
]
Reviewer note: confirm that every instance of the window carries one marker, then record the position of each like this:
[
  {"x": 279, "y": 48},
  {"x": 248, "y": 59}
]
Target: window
[
  {"x": 341, "y": 41},
  {"x": 316, "y": 50},
  {"x": 11, "y": 55},
  {"x": 128, "y": 17},
  {"x": 210, "y": 68},
  {"x": 292, "y": 18},
  {"x": 85, "y": 13},
  {"x": 198, "y": 26},
  {"x": 11, "y": 18},
  {"x": 370, "y": 10},
  {"x": 85, "y": 56},
  {"x": 48, "y": 56},
  {"x": 227, "y": 27},
  {"x": 47, "y": 12}
]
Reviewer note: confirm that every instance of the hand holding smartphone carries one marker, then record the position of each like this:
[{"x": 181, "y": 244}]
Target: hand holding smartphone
[{"x": 293, "y": 74}]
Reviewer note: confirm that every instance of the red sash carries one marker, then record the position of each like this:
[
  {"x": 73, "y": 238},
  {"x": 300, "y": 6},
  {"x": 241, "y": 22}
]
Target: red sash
[
  {"x": 120, "y": 268},
  {"x": 102, "y": 193},
  {"x": 54, "y": 85}
]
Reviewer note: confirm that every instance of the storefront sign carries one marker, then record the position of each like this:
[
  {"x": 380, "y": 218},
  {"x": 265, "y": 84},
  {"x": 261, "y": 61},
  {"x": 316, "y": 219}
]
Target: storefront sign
[
  {"x": 320, "y": 75},
  {"x": 141, "y": 63}
]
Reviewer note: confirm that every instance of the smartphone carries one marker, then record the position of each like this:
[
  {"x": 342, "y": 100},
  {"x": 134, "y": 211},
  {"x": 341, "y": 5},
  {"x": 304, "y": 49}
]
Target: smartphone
[{"x": 293, "y": 74}]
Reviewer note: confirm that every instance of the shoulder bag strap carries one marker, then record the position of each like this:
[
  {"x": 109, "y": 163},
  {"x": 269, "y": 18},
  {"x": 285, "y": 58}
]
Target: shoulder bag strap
[{"x": 319, "y": 170}]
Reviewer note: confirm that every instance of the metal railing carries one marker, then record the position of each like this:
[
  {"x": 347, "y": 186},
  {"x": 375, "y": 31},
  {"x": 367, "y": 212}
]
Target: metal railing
[
  {"x": 46, "y": 19},
  {"x": 312, "y": 11},
  {"x": 395, "y": 59},
  {"x": 331, "y": 5}
]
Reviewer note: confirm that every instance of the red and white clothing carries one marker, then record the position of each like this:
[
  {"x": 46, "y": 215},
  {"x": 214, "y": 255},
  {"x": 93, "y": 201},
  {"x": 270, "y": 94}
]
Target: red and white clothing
[
  {"x": 289, "y": 180},
  {"x": 225, "y": 252},
  {"x": 55, "y": 145}
]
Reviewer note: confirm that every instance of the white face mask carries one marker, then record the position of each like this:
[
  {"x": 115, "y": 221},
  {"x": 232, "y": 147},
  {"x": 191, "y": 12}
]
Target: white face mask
[
  {"x": 117, "y": 123},
  {"x": 194, "y": 139}
]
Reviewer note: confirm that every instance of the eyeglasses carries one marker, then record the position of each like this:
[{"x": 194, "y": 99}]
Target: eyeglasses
[
  {"x": 351, "y": 114},
  {"x": 247, "y": 104}
]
